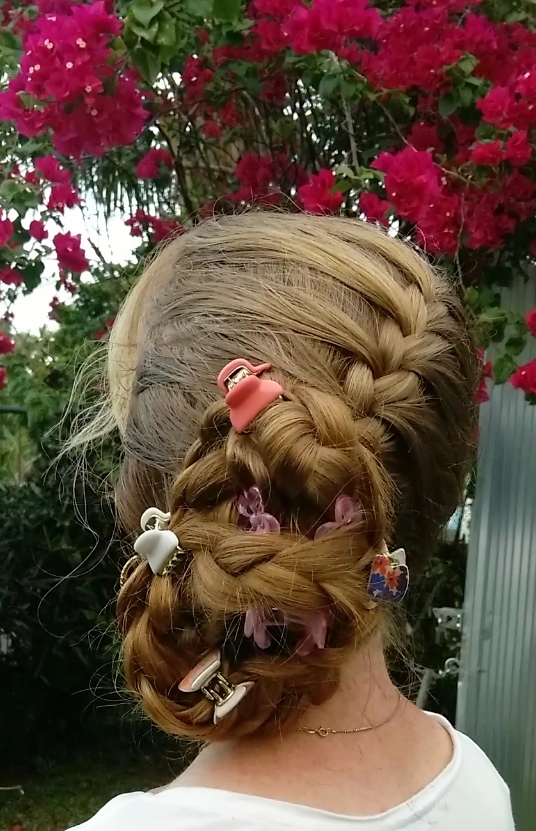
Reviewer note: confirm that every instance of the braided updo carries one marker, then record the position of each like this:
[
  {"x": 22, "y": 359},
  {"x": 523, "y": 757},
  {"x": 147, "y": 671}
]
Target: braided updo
[{"x": 371, "y": 348}]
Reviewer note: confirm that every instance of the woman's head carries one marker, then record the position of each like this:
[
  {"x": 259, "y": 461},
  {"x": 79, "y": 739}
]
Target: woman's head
[{"x": 378, "y": 373}]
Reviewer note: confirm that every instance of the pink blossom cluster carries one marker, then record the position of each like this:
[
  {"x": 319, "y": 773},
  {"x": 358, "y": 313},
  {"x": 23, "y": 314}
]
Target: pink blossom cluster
[
  {"x": 258, "y": 179},
  {"x": 7, "y": 229},
  {"x": 330, "y": 24},
  {"x": 62, "y": 194},
  {"x": 524, "y": 378},
  {"x": 198, "y": 76},
  {"x": 101, "y": 333},
  {"x": 263, "y": 179},
  {"x": 159, "y": 229},
  {"x": 7, "y": 344},
  {"x": 72, "y": 83},
  {"x": 449, "y": 210},
  {"x": 10, "y": 276},
  {"x": 157, "y": 162},
  {"x": 71, "y": 256},
  {"x": 415, "y": 49},
  {"x": 320, "y": 195}
]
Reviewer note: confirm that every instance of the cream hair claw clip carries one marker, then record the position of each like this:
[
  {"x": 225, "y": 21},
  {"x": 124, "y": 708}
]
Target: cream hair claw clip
[
  {"x": 157, "y": 545},
  {"x": 206, "y": 678}
]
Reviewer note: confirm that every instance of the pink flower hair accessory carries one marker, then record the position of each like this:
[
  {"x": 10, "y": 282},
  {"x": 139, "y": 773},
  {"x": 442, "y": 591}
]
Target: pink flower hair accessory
[
  {"x": 251, "y": 512},
  {"x": 246, "y": 394},
  {"x": 315, "y": 628},
  {"x": 348, "y": 511}
]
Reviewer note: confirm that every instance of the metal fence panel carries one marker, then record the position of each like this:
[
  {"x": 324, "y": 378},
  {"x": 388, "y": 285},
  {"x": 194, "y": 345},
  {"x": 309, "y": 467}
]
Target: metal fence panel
[{"x": 497, "y": 689}]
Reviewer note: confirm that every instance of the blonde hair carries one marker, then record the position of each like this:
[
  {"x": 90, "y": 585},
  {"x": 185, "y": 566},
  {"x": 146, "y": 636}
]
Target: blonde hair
[{"x": 372, "y": 349}]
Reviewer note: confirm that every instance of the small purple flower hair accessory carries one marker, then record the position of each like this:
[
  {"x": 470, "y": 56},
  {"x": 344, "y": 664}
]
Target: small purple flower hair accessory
[
  {"x": 347, "y": 511},
  {"x": 250, "y": 506},
  {"x": 315, "y": 626}
]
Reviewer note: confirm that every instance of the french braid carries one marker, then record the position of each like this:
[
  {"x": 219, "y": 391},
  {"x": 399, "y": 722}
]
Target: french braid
[{"x": 371, "y": 348}]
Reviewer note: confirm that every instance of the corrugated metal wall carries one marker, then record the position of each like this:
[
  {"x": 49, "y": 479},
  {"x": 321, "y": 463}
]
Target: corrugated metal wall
[{"x": 497, "y": 690}]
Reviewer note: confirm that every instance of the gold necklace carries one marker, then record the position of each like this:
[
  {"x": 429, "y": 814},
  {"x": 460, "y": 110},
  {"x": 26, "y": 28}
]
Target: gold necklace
[{"x": 329, "y": 731}]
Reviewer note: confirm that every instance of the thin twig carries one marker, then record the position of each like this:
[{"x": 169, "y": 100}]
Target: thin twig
[{"x": 351, "y": 134}]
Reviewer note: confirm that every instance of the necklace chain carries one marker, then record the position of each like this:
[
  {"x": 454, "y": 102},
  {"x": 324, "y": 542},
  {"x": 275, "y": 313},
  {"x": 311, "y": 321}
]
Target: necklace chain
[{"x": 329, "y": 731}]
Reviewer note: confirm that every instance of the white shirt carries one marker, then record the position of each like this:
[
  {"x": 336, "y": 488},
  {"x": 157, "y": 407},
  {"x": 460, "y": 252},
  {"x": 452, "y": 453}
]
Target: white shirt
[{"x": 468, "y": 795}]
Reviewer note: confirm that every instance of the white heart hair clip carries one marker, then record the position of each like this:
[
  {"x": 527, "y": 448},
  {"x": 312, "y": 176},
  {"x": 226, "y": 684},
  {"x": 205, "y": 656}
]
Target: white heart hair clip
[
  {"x": 158, "y": 545},
  {"x": 205, "y": 677}
]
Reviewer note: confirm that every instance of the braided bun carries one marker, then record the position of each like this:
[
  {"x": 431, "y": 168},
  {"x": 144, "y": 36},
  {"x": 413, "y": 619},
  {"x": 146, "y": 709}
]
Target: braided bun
[{"x": 372, "y": 351}]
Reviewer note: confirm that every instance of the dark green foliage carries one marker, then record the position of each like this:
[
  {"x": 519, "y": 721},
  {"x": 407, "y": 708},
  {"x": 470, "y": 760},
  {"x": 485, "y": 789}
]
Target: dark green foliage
[
  {"x": 57, "y": 583},
  {"x": 59, "y": 564}
]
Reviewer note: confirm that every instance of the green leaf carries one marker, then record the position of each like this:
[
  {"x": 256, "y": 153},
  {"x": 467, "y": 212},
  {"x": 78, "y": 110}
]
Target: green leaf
[
  {"x": 227, "y": 9},
  {"x": 475, "y": 82},
  {"x": 350, "y": 88},
  {"x": 515, "y": 345},
  {"x": 488, "y": 297},
  {"x": 144, "y": 33},
  {"x": 8, "y": 40},
  {"x": 516, "y": 17},
  {"x": 519, "y": 326},
  {"x": 200, "y": 8},
  {"x": 9, "y": 189},
  {"x": 485, "y": 131},
  {"x": 530, "y": 398},
  {"x": 497, "y": 331},
  {"x": 167, "y": 31},
  {"x": 328, "y": 84},
  {"x": 467, "y": 64},
  {"x": 466, "y": 96},
  {"x": 503, "y": 368},
  {"x": 147, "y": 63},
  {"x": 345, "y": 171},
  {"x": 31, "y": 12},
  {"x": 167, "y": 54},
  {"x": 447, "y": 105},
  {"x": 345, "y": 185},
  {"x": 472, "y": 299},
  {"x": 27, "y": 99},
  {"x": 493, "y": 315},
  {"x": 145, "y": 10},
  {"x": 32, "y": 274}
]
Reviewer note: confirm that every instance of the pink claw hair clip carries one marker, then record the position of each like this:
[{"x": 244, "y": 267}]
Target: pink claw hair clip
[
  {"x": 206, "y": 678},
  {"x": 347, "y": 512},
  {"x": 315, "y": 628},
  {"x": 251, "y": 512},
  {"x": 246, "y": 394}
]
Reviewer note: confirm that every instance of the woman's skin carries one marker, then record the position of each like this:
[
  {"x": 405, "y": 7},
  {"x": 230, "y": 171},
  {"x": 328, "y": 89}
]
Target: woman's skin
[{"x": 360, "y": 774}]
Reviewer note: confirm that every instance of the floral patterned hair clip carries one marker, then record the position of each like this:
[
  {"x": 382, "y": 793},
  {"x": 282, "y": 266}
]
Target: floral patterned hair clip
[
  {"x": 252, "y": 513},
  {"x": 389, "y": 576}
]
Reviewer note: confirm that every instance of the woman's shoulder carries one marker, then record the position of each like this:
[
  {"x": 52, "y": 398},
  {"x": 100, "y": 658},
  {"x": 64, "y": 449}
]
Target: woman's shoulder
[
  {"x": 468, "y": 756},
  {"x": 139, "y": 811},
  {"x": 118, "y": 812}
]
